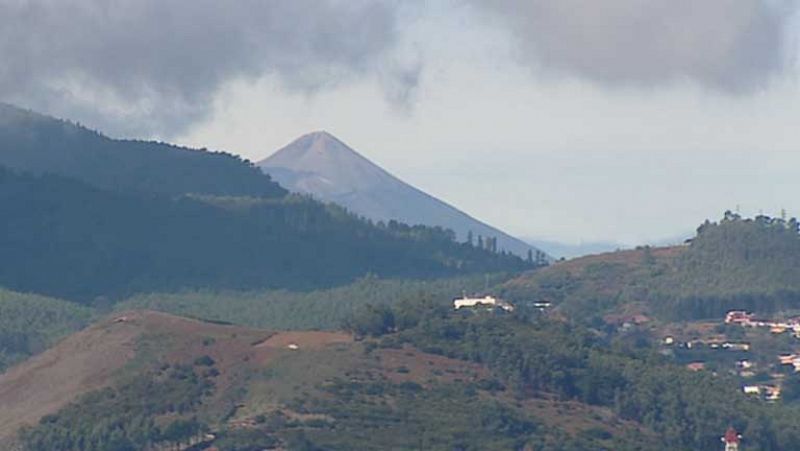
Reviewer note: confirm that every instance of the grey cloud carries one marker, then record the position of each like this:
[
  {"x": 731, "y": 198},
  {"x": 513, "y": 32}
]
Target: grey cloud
[
  {"x": 400, "y": 81},
  {"x": 153, "y": 66},
  {"x": 727, "y": 45}
]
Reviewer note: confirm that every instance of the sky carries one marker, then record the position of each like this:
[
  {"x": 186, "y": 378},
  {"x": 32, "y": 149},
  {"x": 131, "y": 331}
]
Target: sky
[{"x": 629, "y": 121}]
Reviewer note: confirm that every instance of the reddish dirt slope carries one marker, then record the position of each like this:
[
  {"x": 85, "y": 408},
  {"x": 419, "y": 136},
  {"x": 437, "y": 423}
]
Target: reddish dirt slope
[
  {"x": 90, "y": 359},
  {"x": 80, "y": 363}
]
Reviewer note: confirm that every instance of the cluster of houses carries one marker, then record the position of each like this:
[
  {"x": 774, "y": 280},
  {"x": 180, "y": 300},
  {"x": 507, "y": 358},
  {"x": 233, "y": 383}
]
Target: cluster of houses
[
  {"x": 770, "y": 393},
  {"x": 741, "y": 346},
  {"x": 746, "y": 319},
  {"x": 711, "y": 343},
  {"x": 744, "y": 367}
]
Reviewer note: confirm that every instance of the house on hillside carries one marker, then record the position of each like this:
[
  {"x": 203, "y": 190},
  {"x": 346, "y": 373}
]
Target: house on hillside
[
  {"x": 790, "y": 359},
  {"x": 731, "y": 439},
  {"x": 486, "y": 302},
  {"x": 787, "y": 359},
  {"x": 738, "y": 317},
  {"x": 736, "y": 346},
  {"x": 626, "y": 322},
  {"x": 772, "y": 393},
  {"x": 696, "y": 366},
  {"x": 751, "y": 390}
]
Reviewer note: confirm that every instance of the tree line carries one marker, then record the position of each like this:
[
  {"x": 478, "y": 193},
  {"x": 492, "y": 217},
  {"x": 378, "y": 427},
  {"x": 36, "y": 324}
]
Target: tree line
[
  {"x": 63, "y": 238},
  {"x": 537, "y": 357}
]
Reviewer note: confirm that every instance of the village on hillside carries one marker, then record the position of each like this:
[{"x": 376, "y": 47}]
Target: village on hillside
[{"x": 763, "y": 353}]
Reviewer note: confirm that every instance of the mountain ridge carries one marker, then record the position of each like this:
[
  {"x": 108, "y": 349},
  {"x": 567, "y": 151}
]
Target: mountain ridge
[
  {"x": 323, "y": 166},
  {"x": 36, "y": 143}
]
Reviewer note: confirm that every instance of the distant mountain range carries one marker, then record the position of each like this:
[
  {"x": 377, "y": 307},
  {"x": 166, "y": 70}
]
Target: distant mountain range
[{"x": 321, "y": 165}]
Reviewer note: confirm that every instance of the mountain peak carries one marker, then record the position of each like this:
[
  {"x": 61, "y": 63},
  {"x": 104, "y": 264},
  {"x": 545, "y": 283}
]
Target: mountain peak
[
  {"x": 321, "y": 152},
  {"x": 323, "y": 166},
  {"x": 320, "y": 135},
  {"x": 318, "y": 141}
]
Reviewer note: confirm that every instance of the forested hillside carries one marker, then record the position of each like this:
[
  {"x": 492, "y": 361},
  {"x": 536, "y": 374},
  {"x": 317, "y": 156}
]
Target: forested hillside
[
  {"x": 736, "y": 263},
  {"x": 39, "y": 144},
  {"x": 66, "y": 239},
  {"x": 539, "y": 357},
  {"x": 324, "y": 309},
  {"x": 30, "y": 324},
  {"x": 252, "y": 391},
  {"x": 738, "y": 254},
  {"x": 424, "y": 377}
]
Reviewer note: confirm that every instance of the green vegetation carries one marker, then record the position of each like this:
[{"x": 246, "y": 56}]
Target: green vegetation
[
  {"x": 688, "y": 410},
  {"x": 736, "y": 263},
  {"x": 321, "y": 309},
  {"x": 206, "y": 235},
  {"x": 340, "y": 397},
  {"x": 63, "y": 238},
  {"x": 380, "y": 415},
  {"x": 149, "y": 409},
  {"x": 30, "y": 324},
  {"x": 246, "y": 440},
  {"x": 387, "y": 394},
  {"x": 34, "y": 143}
]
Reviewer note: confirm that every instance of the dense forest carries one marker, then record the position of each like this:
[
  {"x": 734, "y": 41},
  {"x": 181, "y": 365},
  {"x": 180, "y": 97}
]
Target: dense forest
[
  {"x": 39, "y": 144},
  {"x": 63, "y": 238},
  {"x": 741, "y": 263},
  {"x": 735, "y": 263},
  {"x": 30, "y": 324}
]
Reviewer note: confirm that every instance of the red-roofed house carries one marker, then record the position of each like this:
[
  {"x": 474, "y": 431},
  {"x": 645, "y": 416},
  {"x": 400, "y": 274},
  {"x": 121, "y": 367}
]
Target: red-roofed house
[{"x": 731, "y": 439}]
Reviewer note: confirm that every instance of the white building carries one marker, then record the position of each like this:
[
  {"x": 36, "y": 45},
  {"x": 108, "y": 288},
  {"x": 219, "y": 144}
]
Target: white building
[
  {"x": 486, "y": 301},
  {"x": 751, "y": 389}
]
